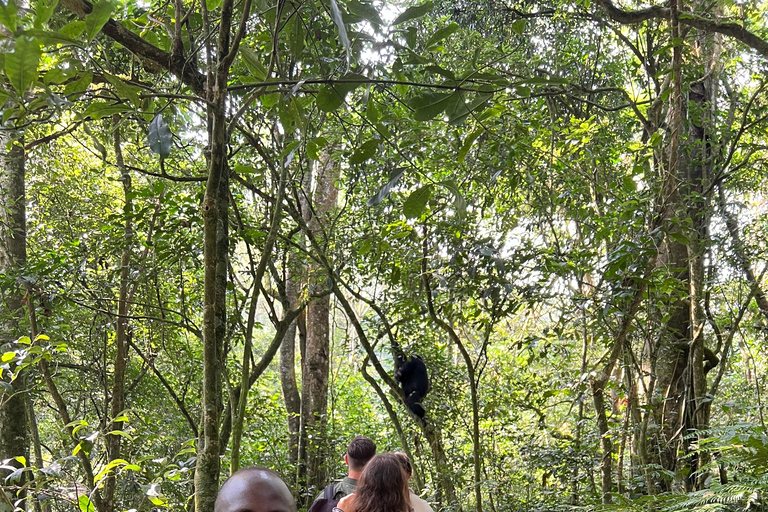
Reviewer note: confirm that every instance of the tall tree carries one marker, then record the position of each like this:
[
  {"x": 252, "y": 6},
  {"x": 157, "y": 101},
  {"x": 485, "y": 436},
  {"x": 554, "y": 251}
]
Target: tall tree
[
  {"x": 14, "y": 436},
  {"x": 316, "y": 361}
]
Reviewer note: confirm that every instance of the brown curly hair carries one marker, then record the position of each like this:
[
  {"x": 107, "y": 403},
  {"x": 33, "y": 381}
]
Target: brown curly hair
[{"x": 383, "y": 487}]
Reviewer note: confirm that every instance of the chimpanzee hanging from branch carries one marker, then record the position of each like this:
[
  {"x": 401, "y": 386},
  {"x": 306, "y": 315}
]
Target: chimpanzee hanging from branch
[{"x": 411, "y": 373}]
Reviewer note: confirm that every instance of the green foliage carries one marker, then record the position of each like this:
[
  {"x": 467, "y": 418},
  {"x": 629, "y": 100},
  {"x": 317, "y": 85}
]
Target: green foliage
[
  {"x": 510, "y": 157},
  {"x": 22, "y": 63}
]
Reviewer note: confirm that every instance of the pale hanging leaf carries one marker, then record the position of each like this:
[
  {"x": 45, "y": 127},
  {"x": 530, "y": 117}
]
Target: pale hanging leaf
[
  {"x": 21, "y": 64},
  {"x": 160, "y": 137},
  {"x": 337, "y": 19},
  {"x": 379, "y": 196}
]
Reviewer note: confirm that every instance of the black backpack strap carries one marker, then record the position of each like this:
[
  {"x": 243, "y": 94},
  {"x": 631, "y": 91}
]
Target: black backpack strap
[{"x": 329, "y": 492}]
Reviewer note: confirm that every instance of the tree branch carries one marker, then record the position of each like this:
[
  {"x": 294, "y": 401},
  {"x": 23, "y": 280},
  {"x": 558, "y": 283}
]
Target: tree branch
[{"x": 655, "y": 12}]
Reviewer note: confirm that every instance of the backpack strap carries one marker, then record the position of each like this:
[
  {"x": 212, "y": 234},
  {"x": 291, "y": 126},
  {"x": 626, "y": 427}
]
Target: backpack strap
[{"x": 329, "y": 492}]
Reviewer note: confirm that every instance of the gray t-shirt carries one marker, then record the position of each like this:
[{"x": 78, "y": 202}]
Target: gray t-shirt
[{"x": 340, "y": 489}]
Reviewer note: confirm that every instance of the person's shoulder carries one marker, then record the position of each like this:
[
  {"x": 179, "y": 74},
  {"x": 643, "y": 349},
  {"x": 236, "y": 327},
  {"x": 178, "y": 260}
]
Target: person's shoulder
[
  {"x": 419, "y": 504},
  {"x": 346, "y": 486},
  {"x": 321, "y": 494}
]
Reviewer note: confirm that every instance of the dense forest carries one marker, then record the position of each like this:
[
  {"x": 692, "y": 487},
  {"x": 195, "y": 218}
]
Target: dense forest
[{"x": 223, "y": 221}]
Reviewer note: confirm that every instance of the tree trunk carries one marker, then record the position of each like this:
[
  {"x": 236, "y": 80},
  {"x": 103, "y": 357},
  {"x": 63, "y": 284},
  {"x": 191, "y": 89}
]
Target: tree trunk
[
  {"x": 215, "y": 234},
  {"x": 315, "y": 366},
  {"x": 288, "y": 368},
  {"x": 123, "y": 328},
  {"x": 681, "y": 353},
  {"x": 14, "y": 438}
]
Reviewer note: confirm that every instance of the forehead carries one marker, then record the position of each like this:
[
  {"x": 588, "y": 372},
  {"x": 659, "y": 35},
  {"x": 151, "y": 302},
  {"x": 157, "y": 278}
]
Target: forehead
[{"x": 255, "y": 492}]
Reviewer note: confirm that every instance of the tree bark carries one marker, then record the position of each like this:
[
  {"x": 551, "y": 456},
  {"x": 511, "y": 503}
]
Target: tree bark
[
  {"x": 288, "y": 366},
  {"x": 315, "y": 366},
  {"x": 123, "y": 328},
  {"x": 14, "y": 437},
  {"x": 215, "y": 236}
]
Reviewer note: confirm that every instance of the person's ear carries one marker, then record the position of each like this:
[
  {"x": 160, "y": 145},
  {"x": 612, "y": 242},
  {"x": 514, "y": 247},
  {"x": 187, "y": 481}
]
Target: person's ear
[{"x": 346, "y": 459}]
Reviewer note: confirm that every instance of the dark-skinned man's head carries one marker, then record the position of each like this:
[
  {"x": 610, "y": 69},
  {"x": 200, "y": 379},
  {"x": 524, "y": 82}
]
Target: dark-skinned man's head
[{"x": 255, "y": 489}]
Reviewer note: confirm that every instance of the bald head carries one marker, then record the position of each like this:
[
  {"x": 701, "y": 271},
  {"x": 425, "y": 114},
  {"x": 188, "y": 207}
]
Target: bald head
[{"x": 255, "y": 489}]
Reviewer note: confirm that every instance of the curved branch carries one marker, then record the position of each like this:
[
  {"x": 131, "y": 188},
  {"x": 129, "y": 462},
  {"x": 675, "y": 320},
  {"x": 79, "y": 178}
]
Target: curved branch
[
  {"x": 176, "y": 64},
  {"x": 733, "y": 30}
]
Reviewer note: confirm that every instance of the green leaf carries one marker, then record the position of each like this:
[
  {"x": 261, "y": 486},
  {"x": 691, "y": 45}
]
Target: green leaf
[
  {"x": 441, "y": 34},
  {"x": 212, "y": 4},
  {"x": 296, "y": 36},
  {"x": 270, "y": 100},
  {"x": 364, "y": 12},
  {"x": 245, "y": 169},
  {"x": 364, "y": 152},
  {"x": 314, "y": 146},
  {"x": 430, "y": 105},
  {"x": 160, "y": 137},
  {"x": 416, "y": 203},
  {"x": 80, "y": 85},
  {"x": 461, "y": 110},
  {"x": 21, "y": 64},
  {"x": 96, "y": 142},
  {"x": 441, "y": 71},
  {"x": 44, "y": 11},
  {"x": 99, "y": 16},
  {"x": 364, "y": 247},
  {"x": 255, "y": 67},
  {"x": 471, "y": 138},
  {"x": 85, "y": 504},
  {"x": 332, "y": 95},
  {"x": 125, "y": 90},
  {"x": 121, "y": 433},
  {"x": 101, "y": 109},
  {"x": 8, "y": 15},
  {"x": 412, "y": 13},
  {"x": 459, "y": 203},
  {"x": 410, "y": 37},
  {"x": 73, "y": 29},
  {"x": 518, "y": 26},
  {"x": 679, "y": 238},
  {"x": 48, "y": 38},
  {"x": 523, "y": 92}
]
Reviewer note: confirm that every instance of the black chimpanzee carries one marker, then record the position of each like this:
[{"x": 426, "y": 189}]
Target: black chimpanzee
[{"x": 411, "y": 373}]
